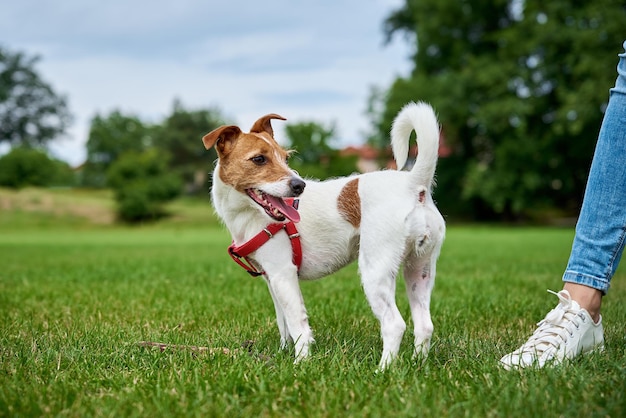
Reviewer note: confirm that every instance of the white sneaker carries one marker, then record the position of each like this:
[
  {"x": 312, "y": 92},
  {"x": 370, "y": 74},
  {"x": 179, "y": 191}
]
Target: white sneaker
[{"x": 566, "y": 332}]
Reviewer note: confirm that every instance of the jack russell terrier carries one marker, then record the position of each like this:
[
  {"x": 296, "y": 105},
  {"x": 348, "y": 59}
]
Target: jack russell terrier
[{"x": 385, "y": 219}]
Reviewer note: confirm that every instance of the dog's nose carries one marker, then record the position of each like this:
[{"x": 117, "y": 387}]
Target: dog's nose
[{"x": 297, "y": 186}]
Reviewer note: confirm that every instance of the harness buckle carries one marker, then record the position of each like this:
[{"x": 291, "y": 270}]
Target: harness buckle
[{"x": 244, "y": 262}]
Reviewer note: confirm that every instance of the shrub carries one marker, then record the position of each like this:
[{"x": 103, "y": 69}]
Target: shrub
[
  {"x": 142, "y": 184},
  {"x": 329, "y": 165},
  {"x": 24, "y": 166}
]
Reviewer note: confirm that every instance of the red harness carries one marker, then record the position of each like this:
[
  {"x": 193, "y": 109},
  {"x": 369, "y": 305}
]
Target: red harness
[{"x": 240, "y": 253}]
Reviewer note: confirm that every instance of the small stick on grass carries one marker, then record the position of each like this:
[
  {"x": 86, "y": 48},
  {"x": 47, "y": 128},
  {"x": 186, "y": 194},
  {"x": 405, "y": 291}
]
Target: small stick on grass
[{"x": 196, "y": 349}]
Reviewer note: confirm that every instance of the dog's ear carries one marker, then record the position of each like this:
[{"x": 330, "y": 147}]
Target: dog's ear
[
  {"x": 222, "y": 138},
  {"x": 264, "y": 124}
]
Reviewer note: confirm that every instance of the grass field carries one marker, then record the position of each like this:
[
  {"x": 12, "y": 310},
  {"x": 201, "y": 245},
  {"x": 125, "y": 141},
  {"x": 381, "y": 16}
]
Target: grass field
[{"x": 78, "y": 294}]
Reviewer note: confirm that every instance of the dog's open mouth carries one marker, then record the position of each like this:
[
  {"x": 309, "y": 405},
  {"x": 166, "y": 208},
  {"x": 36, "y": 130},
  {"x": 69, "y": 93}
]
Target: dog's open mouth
[{"x": 274, "y": 206}]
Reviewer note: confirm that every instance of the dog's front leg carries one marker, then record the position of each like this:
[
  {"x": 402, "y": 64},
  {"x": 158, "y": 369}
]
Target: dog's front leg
[
  {"x": 289, "y": 303},
  {"x": 285, "y": 338}
]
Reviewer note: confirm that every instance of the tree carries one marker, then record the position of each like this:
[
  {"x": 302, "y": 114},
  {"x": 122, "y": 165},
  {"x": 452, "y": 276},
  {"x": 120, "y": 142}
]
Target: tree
[
  {"x": 109, "y": 138},
  {"x": 31, "y": 113},
  {"x": 142, "y": 183},
  {"x": 25, "y": 166},
  {"x": 314, "y": 156},
  {"x": 520, "y": 87},
  {"x": 180, "y": 135}
]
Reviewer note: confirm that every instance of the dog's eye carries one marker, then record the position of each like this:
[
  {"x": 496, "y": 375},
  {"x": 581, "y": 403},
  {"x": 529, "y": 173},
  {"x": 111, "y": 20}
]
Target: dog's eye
[{"x": 259, "y": 159}]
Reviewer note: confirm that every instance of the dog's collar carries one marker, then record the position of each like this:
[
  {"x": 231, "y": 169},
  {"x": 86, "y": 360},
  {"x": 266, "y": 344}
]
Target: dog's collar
[{"x": 240, "y": 253}]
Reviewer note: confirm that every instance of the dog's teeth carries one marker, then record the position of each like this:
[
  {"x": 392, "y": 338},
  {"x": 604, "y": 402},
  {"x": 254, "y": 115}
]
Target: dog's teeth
[
  {"x": 262, "y": 198},
  {"x": 261, "y": 195}
]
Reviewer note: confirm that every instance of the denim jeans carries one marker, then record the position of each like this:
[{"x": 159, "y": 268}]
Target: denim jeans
[{"x": 601, "y": 227}]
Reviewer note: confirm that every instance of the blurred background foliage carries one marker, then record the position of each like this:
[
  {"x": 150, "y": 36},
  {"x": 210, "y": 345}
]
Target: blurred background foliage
[{"x": 520, "y": 88}]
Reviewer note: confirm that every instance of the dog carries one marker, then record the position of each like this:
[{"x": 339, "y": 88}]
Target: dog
[{"x": 384, "y": 219}]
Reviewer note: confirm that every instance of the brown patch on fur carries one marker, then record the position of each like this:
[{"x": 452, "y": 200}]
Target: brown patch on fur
[
  {"x": 222, "y": 138},
  {"x": 238, "y": 152},
  {"x": 238, "y": 168},
  {"x": 264, "y": 124},
  {"x": 349, "y": 203}
]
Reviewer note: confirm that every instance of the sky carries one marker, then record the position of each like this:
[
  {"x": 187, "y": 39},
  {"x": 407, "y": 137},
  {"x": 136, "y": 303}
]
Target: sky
[{"x": 305, "y": 60}]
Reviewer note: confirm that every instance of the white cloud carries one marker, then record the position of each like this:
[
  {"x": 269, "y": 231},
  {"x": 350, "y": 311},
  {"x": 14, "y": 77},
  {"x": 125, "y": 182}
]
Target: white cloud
[{"x": 313, "y": 61}]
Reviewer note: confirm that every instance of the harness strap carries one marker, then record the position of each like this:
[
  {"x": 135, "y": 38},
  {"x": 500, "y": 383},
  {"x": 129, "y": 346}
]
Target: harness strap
[
  {"x": 240, "y": 253},
  {"x": 296, "y": 246}
]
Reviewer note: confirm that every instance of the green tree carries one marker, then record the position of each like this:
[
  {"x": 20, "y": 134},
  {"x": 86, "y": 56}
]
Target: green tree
[
  {"x": 310, "y": 140},
  {"x": 314, "y": 155},
  {"x": 180, "y": 135},
  {"x": 520, "y": 87},
  {"x": 31, "y": 113},
  {"x": 25, "y": 166},
  {"x": 109, "y": 138},
  {"x": 142, "y": 183}
]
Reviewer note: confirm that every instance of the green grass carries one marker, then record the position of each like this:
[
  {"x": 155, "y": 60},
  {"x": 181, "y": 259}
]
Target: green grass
[{"x": 77, "y": 298}]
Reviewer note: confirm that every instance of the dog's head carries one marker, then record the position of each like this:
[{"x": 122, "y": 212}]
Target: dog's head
[{"x": 253, "y": 163}]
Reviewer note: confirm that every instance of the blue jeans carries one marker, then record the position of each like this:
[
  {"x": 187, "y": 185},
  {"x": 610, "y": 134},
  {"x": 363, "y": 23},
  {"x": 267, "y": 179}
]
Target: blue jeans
[{"x": 601, "y": 228}]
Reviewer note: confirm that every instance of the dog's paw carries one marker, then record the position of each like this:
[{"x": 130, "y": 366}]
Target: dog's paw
[
  {"x": 385, "y": 362},
  {"x": 302, "y": 347},
  {"x": 301, "y": 354},
  {"x": 285, "y": 341},
  {"x": 422, "y": 348}
]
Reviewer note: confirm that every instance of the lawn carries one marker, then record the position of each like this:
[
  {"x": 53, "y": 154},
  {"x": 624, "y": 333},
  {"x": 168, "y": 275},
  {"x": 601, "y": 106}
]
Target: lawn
[{"x": 79, "y": 296}]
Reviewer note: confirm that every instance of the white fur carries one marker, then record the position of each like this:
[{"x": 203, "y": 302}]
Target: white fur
[{"x": 399, "y": 225}]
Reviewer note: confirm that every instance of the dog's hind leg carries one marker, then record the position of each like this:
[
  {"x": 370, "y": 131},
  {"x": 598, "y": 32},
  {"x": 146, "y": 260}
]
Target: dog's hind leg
[
  {"x": 378, "y": 275},
  {"x": 419, "y": 276}
]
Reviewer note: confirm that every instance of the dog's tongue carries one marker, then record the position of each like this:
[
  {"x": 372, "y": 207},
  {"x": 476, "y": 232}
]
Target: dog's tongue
[{"x": 289, "y": 211}]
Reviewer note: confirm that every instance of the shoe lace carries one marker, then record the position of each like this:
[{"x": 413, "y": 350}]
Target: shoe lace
[{"x": 557, "y": 326}]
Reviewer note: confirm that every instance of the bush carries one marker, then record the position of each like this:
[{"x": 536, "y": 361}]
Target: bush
[
  {"x": 24, "y": 166},
  {"x": 329, "y": 165},
  {"x": 142, "y": 184}
]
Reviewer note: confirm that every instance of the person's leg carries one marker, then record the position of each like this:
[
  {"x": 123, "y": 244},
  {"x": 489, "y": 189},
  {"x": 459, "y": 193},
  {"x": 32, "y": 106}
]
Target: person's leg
[
  {"x": 588, "y": 298},
  {"x": 601, "y": 228},
  {"x": 574, "y": 327}
]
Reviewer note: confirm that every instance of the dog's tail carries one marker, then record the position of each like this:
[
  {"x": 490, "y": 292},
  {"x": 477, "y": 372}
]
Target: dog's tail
[{"x": 419, "y": 117}]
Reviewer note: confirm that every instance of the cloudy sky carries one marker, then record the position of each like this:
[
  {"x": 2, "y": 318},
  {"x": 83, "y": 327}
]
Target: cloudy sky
[{"x": 306, "y": 60}]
